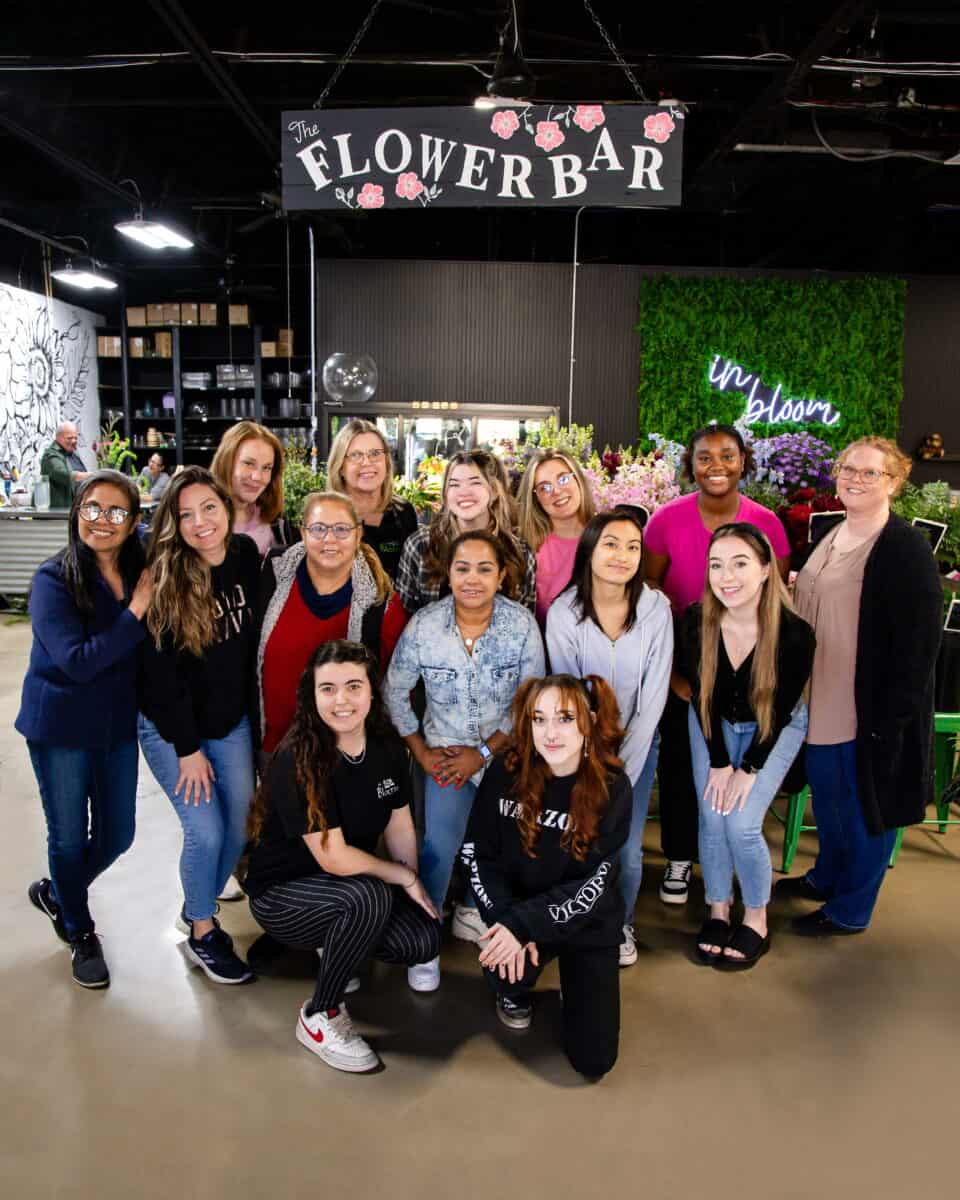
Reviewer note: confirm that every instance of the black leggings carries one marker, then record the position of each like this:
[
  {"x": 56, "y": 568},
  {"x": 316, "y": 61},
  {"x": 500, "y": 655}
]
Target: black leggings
[
  {"x": 590, "y": 982},
  {"x": 353, "y": 917},
  {"x": 679, "y": 812}
]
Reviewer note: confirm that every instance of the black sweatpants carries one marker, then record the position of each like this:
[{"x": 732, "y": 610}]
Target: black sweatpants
[
  {"x": 679, "y": 812},
  {"x": 353, "y": 917},
  {"x": 590, "y": 982}
]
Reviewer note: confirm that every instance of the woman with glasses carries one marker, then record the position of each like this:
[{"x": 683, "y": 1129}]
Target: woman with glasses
[
  {"x": 194, "y": 692},
  {"x": 361, "y": 467},
  {"x": 555, "y": 504},
  {"x": 872, "y": 593},
  {"x": 475, "y": 496},
  {"x": 79, "y": 706},
  {"x": 328, "y": 587},
  {"x": 675, "y": 560},
  {"x": 249, "y": 465},
  {"x": 472, "y": 650}
]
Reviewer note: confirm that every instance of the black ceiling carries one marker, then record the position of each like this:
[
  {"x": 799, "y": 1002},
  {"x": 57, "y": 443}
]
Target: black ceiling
[{"x": 179, "y": 98}]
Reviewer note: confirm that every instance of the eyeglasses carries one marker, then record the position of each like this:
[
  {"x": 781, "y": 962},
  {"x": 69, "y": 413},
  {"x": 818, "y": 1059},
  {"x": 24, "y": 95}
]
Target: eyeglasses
[
  {"x": 547, "y": 489},
  {"x": 341, "y": 531},
  {"x": 357, "y": 456},
  {"x": 870, "y": 476},
  {"x": 93, "y": 512}
]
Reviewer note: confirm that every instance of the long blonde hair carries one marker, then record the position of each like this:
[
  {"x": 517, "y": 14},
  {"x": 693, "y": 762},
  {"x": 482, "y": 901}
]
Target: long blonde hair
[
  {"x": 382, "y": 580},
  {"x": 444, "y": 528},
  {"x": 773, "y": 600},
  {"x": 340, "y": 448},
  {"x": 182, "y": 604},
  {"x": 270, "y": 504},
  {"x": 535, "y": 525}
]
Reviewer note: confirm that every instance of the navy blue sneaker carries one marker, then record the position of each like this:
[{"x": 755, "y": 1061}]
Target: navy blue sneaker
[
  {"x": 214, "y": 955},
  {"x": 41, "y": 896}
]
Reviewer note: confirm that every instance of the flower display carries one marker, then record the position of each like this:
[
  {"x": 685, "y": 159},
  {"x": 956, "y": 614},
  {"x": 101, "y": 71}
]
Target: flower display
[
  {"x": 408, "y": 186},
  {"x": 658, "y": 127},
  {"x": 505, "y": 123},
  {"x": 588, "y": 117},
  {"x": 647, "y": 479},
  {"x": 794, "y": 460},
  {"x": 796, "y": 514},
  {"x": 371, "y": 196},
  {"x": 549, "y": 135}
]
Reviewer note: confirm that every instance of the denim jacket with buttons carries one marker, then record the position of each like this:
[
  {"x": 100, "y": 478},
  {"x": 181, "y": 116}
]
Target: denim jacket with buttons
[{"x": 468, "y": 696}]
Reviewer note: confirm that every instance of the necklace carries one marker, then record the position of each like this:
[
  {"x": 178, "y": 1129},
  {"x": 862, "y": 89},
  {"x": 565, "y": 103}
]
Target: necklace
[{"x": 354, "y": 759}]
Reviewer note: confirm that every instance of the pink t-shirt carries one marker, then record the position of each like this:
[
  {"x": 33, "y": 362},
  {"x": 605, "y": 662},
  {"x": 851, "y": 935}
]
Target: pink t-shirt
[
  {"x": 678, "y": 531},
  {"x": 259, "y": 530},
  {"x": 554, "y": 566}
]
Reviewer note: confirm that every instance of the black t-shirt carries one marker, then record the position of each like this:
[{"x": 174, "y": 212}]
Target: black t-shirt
[
  {"x": 360, "y": 804},
  {"x": 387, "y": 538}
]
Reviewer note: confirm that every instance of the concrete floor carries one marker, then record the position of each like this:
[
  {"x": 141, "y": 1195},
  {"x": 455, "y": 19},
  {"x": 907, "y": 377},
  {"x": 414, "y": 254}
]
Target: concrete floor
[{"x": 829, "y": 1069}]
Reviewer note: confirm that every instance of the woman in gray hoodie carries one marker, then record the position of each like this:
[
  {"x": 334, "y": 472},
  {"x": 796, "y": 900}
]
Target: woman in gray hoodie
[{"x": 608, "y": 623}]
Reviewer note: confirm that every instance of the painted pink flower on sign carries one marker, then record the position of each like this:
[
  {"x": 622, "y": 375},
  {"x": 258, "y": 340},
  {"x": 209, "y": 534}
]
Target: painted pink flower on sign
[
  {"x": 408, "y": 186},
  {"x": 658, "y": 127},
  {"x": 371, "y": 196},
  {"x": 549, "y": 135},
  {"x": 505, "y": 123},
  {"x": 588, "y": 117}
]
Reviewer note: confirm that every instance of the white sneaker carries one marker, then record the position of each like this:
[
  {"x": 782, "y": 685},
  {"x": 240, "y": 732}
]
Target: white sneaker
[
  {"x": 628, "y": 947},
  {"x": 467, "y": 924},
  {"x": 425, "y": 977},
  {"x": 353, "y": 983},
  {"x": 675, "y": 886},
  {"x": 231, "y": 890},
  {"x": 332, "y": 1037}
]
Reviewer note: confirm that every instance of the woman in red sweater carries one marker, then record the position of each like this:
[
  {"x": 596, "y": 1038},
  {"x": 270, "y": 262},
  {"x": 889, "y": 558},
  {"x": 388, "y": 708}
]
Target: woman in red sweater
[{"x": 329, "y": 586}]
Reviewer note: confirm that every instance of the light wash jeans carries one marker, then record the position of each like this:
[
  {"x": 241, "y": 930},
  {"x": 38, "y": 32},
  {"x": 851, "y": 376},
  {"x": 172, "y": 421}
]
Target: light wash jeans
[
  {"x": 446, "y": 812},
  {"x": 631, "y": 856},
  {"x": 214, "y": 834},
  {"x": 735, "y": 843}
]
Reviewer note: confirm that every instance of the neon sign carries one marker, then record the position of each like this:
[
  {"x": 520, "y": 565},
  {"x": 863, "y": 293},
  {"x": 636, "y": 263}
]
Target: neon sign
[{"x": 764, "y": 403}]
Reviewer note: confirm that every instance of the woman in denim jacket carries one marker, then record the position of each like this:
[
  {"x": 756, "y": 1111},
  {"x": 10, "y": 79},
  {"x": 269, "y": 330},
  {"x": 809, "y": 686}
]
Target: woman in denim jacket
[{"x": 472, "y": 649}]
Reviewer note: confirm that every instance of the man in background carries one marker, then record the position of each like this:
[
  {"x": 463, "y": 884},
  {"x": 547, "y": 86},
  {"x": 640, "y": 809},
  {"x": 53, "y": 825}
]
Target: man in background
[{"x": 63, "y": 466}]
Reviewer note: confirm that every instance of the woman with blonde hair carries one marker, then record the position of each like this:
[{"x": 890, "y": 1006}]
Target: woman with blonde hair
[
  {"x": 475, "y": 497},
  {"x": 555, "y": 505},
  {"x": 327, "y": 587},
  {"x": 747, "y": 657},
  {"x": 360, "y": 466},
  {"x": 249, "y": 465},
  {"x": 195, "y": 679},
  {"x": 872, "y": 592}
]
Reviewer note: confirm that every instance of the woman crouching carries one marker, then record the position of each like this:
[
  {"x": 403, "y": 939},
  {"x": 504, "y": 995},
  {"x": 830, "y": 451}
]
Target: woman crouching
[
  {"x": 542, "y": 851},
  {"x": 337, "y": 782}
]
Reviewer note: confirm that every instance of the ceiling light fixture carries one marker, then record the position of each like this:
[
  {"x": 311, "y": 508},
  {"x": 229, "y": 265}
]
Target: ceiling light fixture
[
  {"x": 153, "y": 234},
  {"x": 512, "y": 79},
  {"x": 85, "y": 276}
]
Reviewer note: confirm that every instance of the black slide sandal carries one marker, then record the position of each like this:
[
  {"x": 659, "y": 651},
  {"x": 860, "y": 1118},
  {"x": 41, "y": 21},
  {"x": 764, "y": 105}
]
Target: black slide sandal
[
  {"x": 750, "y": 944},
  {"x": 715, "y": 933}
]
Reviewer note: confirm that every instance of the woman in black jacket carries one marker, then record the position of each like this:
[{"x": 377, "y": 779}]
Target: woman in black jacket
[
  {"x": 872, "y": 593},
  {"x": 542, "y": 851}
]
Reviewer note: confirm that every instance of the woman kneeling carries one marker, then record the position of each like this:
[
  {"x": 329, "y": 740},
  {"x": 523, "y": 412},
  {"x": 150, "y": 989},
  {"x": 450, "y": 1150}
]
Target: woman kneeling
[
  {"x": 338, "y": 780},
  {"x": 542, "y": 850}
]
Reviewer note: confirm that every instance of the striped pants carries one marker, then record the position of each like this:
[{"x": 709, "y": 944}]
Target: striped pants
[{"x": 353, "y": 917}]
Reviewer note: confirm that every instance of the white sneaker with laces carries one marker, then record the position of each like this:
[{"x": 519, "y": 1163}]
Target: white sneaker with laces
[
  {"x": 425, "y": 977},
  {"x": 675, "y": 886},
  {"x": 467, "y": 924},
  {"x": 332, "y": 1037},
  {"x": 628, "y": 947},
  {"x": 231, "y": 890}
]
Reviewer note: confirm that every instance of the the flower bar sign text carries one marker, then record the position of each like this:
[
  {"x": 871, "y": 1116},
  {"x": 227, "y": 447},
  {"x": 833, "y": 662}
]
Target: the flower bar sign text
[{"x": 540, "y": 155}]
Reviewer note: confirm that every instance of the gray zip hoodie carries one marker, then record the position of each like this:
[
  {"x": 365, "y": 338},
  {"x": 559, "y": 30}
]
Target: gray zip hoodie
[{"x": 637, "y": 665}]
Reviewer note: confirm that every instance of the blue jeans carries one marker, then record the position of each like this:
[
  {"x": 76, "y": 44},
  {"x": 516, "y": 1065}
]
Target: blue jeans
[
  {"x": 735, "y": 843},
  {"x": 214, "y": 834},
  {"x": 89, "y": 799},
  {"x": 446, "y": 812},
  {"x": 631, "y": 856},
  {"x": 851, "y": 863}
]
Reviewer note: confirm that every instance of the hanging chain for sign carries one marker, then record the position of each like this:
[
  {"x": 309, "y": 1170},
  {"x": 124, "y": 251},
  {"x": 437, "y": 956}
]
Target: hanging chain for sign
[
  {"x": 614, "y": 51},
  {"x": 338, "y": 70}
]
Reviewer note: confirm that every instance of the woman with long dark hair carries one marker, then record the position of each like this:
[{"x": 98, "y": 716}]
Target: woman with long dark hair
[
  {"x": 747, "y": 656},
  {"x": 195, "y": 685},
  {"x": 336, "y": 784},
  {"x": 79, "y": 706},
  {"x": 608, "y": 623},
  {"x": 542, "y": 849},
  {"x": 675, "y": 559},
  {"x": 475, "y": 498}
]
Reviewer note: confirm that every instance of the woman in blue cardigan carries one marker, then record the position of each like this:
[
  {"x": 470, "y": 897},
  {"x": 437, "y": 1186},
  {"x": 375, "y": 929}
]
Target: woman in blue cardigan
[{"x": 79, "y": 706}]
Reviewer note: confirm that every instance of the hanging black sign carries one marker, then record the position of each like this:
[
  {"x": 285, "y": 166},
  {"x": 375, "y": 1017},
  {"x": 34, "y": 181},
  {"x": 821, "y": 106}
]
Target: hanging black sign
[{"x": 540, "y": 155}]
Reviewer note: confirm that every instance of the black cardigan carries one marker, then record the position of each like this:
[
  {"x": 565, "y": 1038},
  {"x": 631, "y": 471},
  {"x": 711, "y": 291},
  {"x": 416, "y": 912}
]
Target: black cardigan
[
  {"x": 795, "y": 651},
  {"x": 901, "y": 615}
]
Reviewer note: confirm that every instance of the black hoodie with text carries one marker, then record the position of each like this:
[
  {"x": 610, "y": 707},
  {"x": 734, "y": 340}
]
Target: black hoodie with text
[{"x": 553, "y": 898}]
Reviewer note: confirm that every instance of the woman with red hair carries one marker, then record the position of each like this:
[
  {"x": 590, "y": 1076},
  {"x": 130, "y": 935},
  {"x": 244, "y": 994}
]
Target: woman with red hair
[{"x": 542, "y": 850}]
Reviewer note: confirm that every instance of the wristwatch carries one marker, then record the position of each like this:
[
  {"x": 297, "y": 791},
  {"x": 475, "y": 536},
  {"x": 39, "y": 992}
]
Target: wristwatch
[{"x": 485, "y": 752}]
